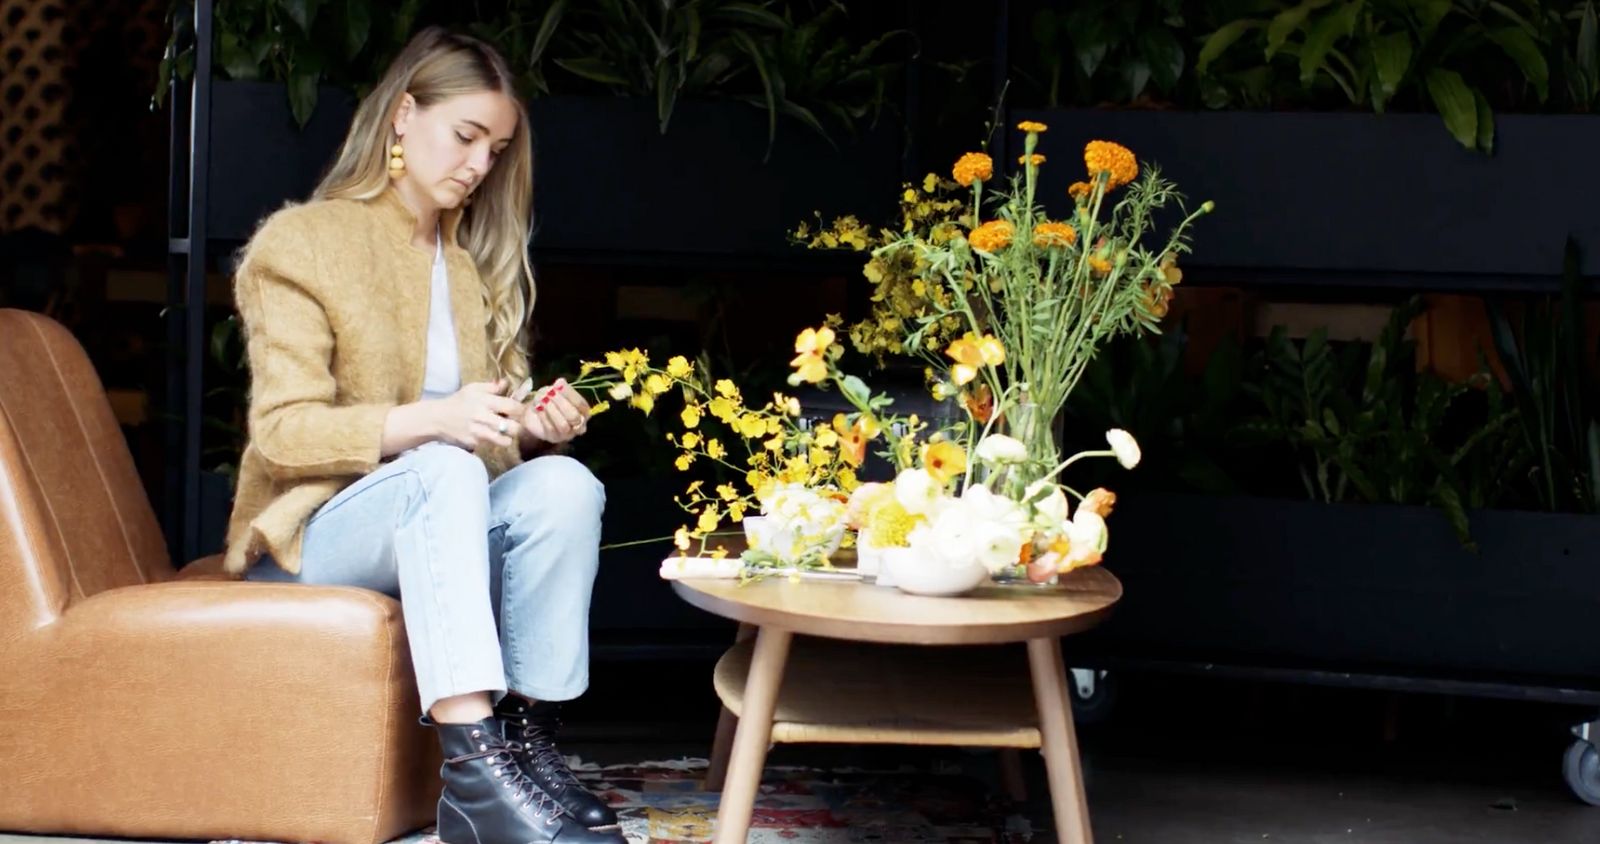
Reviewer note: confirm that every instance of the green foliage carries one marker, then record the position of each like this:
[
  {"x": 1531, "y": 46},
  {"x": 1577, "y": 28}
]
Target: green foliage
[
  {"x": 1446, "y": 55},
  {"x": 1364, "y": 426},
  {"x": 1106, "y": 50},
  {"x": 302, "y": 43},
  {"x": 792, "y": 59},
  {"x": 1546, "y": 355}
]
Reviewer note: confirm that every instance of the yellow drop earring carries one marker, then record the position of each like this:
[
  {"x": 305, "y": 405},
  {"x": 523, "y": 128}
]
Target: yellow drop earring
[{"x": 397, "y": 160}]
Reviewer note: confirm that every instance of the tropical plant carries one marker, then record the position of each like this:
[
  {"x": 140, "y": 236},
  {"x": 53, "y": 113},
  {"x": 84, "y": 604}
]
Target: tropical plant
[
  {"x": 1105, "y": 51},
  {"x": 1363, "y": 425},
  {"x": 1454, "y": 56},
  {"x": 1546, "y": 352},
  {"x": 302, "y": 43},
  {"x": 788, "y": 62}
]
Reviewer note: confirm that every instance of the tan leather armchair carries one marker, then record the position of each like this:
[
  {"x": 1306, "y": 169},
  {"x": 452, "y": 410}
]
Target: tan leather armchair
[{"x": 140, "y": 702}]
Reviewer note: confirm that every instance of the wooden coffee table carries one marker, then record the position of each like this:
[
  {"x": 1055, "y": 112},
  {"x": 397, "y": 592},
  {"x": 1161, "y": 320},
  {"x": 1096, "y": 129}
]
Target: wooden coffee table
[{"x": 829, "y": 687}]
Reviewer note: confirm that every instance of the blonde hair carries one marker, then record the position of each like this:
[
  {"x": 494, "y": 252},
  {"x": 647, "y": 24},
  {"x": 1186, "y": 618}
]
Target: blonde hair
[{"x": 494, "y": 228}]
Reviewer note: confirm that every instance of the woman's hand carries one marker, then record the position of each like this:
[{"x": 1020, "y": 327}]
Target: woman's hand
[
  {"x": 558, "y": 415},
  {"x": 477, "y": 414}
]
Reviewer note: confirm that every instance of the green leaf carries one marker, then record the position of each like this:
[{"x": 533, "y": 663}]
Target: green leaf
[
  {"x": 1485, "y": 122},
  {"x": 1328, "y": 29},
  {"x": 357, "y": 25},
  {"x": 666, "y": 94},
  {"x": 303, "y": 93},
  {"x": 236, "y": 61},
  {"x": 593, "y": 69},
  {"x": 1429, "y": 13},
  {"x": 547, "y": 29},
  {"x": 303, "y": 12},
  {"x": 750, "y": 13},
  {"x": 1286, "y": 22},
  {"x": 1136, "y": 74},
  {"x": 1164, "y": 54},
  {"x": 1588, "y": 50},
  {"x": 1391, "y": 53},
  {"x": 1456, "y": 104},
  {"x": 1218, "y": 42},
  {"x": 1526, "y": 53},
  {"x": 855, "y": 390},
  {"x": 748, "y": 45}
]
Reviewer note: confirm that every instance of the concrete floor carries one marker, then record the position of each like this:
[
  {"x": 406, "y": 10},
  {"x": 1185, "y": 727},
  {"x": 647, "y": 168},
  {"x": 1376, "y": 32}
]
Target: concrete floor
[{"x": 1183, "y": 761}]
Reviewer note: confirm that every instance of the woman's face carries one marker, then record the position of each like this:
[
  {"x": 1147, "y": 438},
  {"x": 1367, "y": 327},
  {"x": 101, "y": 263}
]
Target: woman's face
[{"x": 451, "y": 145}]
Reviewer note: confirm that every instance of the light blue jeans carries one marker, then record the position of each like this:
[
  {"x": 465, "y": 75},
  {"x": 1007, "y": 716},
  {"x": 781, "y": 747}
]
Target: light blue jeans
[{"x": 494, "y": 579}]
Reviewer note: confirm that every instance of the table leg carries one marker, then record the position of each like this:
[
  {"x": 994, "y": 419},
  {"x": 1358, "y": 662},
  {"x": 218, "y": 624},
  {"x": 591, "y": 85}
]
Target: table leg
[
  {"x": 753, "y": 734},
  {"x": 1060, "y": 742},
  {"x": 727, "y": 722},
  {"x": 1011, "y": 777},
  {"x": 721, "y": 747}
]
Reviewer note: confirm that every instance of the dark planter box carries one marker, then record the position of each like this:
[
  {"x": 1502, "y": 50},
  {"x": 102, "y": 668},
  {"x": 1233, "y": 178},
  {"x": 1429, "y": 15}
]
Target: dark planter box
[
  {"x": 1338, "y": 192},
  {"x": 260, "y": 158},
  {"x": 1381, "y": 589},
  {"x": 605, "y": 178}
]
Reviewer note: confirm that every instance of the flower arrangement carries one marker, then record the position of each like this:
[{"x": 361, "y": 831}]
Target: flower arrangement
[{"x": 1005, "y": 308}]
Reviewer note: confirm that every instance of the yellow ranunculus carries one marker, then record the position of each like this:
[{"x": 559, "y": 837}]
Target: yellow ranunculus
[
  {"x": 599, "y": 408},
  {"x": 727, "y": 492},
  {"x": 690, "y": 416},
  {"x": 727, "y": 389},
  {"x": 679, "y": 367},
  {"x": 709, "y": 519},
  {"x": 683, "y": 462},
  {"x": 643, "y": 401},
  {"x": 714, "y": 449},
  {"x": 691, "y": 439},
  {"x": 944, "y": 460},
  {"x": 656, "y": 384}
]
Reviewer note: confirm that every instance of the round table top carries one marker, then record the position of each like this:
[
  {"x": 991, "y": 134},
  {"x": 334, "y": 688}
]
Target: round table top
[{"x": 866, "y": 612}]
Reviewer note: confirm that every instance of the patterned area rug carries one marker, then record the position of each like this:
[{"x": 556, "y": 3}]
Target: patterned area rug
[{"x": 665, "y": 803}]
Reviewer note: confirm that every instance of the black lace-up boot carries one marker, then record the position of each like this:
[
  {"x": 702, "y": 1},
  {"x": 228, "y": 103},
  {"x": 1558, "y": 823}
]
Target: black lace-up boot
[
  {"x": 534, "y": 726},
  {"x": 487, "y": 798}
]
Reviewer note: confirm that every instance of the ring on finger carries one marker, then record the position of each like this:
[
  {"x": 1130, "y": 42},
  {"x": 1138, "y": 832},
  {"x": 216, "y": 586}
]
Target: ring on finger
[{"x": 502, "y": 426}]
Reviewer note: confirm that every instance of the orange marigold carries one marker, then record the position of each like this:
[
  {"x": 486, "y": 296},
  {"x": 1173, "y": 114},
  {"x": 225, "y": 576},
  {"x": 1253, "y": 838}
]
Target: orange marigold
[
  {"x": 1107, "y": 157},
  {"x": 1032, "y": 126},
  {"x": 1037, "y": 159},
  {"x": 972, "y": 167},
  {"x": 992, "y": 236},
  {"x": 1157, "y": 299},
  {"x": 1054, "y": 234},
  {"x": 1079, "y": 190},
  {"x": 1100, "y": 265}
]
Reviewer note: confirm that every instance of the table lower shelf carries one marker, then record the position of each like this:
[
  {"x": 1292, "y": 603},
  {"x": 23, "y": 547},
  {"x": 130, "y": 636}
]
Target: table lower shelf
[{"x": 851, "y": 692}]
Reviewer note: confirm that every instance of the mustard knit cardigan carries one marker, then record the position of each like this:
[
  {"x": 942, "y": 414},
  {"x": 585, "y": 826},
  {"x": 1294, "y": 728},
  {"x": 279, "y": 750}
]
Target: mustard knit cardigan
[{"x": 334, "y": 301}]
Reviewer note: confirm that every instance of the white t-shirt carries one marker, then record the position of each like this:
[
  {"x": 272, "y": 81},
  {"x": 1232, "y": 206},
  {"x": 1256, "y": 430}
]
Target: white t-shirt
[{"x": 442, "y": 373}]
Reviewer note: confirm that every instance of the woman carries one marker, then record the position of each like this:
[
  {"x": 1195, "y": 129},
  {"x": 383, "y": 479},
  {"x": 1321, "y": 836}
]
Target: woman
[{"x": 385, "y": 320}]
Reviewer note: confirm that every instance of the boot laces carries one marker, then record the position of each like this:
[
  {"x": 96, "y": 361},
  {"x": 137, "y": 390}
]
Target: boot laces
[
  {"x": 502, "y": 759},
  {"x": 539, "y": 741}
]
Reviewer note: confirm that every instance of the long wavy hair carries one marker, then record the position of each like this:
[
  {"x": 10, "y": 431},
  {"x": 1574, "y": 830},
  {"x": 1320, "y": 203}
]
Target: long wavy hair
[{"x": 495, "y": 227}]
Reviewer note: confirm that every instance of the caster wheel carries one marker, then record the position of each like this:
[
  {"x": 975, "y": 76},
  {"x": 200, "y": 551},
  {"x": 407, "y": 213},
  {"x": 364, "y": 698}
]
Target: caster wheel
[
  {"x": 1581, "y": 769},
  {"x": 1093, "y": 695}
]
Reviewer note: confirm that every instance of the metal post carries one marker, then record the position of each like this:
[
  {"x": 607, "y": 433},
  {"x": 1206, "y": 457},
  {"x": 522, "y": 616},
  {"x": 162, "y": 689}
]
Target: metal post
[{"x": 195, "y": 294}]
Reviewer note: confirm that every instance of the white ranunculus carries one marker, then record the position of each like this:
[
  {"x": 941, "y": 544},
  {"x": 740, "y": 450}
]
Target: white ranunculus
[
  {"x": 999, "y": 546},
  {"x": 1088, "y": 530},
  {"x": 999, "y": 448},
  {"x": 1053, "y": 508},
  {"x": 916, "y": 490},
  {"x": 1125, "y": 446}
]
